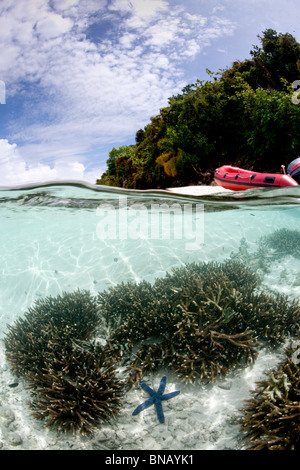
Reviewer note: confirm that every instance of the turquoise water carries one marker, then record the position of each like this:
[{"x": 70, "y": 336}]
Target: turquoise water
[{"x": 61, "y": 237}]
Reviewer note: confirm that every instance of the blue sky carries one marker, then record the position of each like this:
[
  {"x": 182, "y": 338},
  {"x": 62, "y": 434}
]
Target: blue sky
[{"x": 82, "y": 76}]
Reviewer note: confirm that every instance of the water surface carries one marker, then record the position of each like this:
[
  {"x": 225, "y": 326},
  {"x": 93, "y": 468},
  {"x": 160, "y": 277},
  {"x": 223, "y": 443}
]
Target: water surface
[{"x": 50, "y": 237}]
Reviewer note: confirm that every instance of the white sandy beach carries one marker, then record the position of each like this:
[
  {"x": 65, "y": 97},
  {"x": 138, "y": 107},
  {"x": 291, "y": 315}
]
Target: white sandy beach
[
  {"x": 199, "y": 418},
  {"x": 200, "y": 190}
]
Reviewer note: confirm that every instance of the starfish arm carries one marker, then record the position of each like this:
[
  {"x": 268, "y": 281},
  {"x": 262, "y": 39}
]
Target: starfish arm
[
  {"x": 143, "y": 405},
  {"x": 167, "y": 396},
  {"x": 147, "y": 388},
  {"x": 156, "y": 398},
  {"x": 159, "y": 411},
  {"x": 162, "y": 386}
]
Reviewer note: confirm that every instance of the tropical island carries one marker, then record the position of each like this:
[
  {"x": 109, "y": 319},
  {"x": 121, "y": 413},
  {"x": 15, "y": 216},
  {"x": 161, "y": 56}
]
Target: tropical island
[{"x": 247, "y": 115}]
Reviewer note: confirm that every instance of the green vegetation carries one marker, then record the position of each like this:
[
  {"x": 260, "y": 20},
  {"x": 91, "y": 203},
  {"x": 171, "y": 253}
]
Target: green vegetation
[{"x": 243, "y": 116}]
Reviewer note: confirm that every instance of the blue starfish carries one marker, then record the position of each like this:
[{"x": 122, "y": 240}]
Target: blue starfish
[{"x": 156, "y": 398}]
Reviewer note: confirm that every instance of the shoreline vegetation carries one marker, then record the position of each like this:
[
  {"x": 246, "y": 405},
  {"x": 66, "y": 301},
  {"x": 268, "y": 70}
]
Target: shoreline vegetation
[{"x": 247, "y": 115}]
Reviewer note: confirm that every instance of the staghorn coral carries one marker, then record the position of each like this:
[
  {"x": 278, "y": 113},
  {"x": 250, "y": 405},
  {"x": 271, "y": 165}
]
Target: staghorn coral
[
  {"x": 28, "y": 341},
  {"x": 271, "y": 419},
  {"x": 260, "y": 261},
  {"x": 122, "y": 301},
  {"x": 272, "y": 316},
  {"x": 74, "y": 388},
  {"x": 280, "y": 243},
  {"x": 201, "y": 320},
  {"x": 79, "y": 394},
  {"x": 283, "y": 241}
]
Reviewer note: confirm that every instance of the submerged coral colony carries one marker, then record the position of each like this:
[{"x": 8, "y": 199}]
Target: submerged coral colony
[{"x": 200, "y": 321}]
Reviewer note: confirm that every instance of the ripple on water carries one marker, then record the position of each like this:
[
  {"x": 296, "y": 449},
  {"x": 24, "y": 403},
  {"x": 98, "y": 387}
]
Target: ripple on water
[{"x": 49, "y": 239}]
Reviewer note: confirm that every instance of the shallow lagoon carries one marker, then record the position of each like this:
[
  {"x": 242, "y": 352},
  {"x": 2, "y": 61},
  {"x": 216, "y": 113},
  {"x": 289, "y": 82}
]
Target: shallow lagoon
[{"x": 61, "y": 237}]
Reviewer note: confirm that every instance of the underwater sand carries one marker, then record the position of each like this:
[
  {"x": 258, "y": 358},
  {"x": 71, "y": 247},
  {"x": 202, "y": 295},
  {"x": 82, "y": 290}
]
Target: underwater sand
[{"x": 49, "y": 243}]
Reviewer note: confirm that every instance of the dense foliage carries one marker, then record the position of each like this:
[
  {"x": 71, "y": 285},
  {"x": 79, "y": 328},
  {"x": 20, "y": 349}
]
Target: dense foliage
[{"x": 243, "y": 116}]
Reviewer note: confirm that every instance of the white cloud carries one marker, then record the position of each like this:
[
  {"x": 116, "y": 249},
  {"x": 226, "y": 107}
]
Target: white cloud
[
  {"x": 218, "y": 8},
  {"x": 139, "y": 8},
  {"x": 15, "y": 171},
  {"x": 53, "y": 25},
  {"x": 89, "y": 92},
  {"x": 62, "y": 5}
]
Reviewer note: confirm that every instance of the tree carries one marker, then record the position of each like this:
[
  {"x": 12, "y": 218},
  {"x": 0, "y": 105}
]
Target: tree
[
  {"x": 276, "y": 59},
  {"x": 243, "y": 116}
]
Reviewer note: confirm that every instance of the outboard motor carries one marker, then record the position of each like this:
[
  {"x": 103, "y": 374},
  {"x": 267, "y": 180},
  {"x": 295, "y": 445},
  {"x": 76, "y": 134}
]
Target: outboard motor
[{"x": 294, "y": 170}]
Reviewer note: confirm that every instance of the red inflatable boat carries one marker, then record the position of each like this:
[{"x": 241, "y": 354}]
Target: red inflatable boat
[{"x": 237, "y": 179}]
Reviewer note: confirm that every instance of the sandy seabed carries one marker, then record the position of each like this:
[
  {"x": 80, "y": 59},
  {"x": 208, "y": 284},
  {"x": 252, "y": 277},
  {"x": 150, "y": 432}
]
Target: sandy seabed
[{"x": 199, "y": 418}]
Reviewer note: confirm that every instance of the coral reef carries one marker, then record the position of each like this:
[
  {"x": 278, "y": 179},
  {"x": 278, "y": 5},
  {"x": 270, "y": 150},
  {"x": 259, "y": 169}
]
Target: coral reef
[
  {"x": 271, "y": 419},
  {"x": 79, "y": 394},
  {"x": 67, "y": 316},
  {"x": 201, "y": 320},
  {"x": 260, "y": 261},
  {"x": 73, "y": 387},
  {"x": 271, "y": 247},
  {"x": 283, "y": 241}
]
